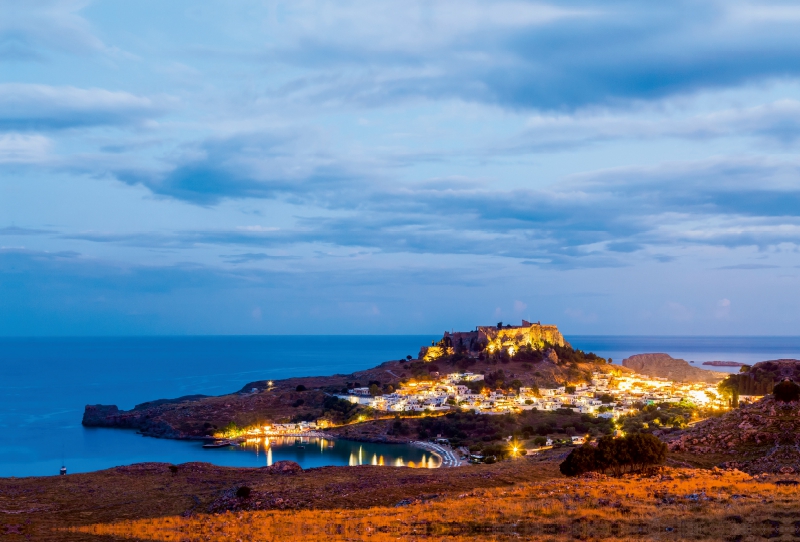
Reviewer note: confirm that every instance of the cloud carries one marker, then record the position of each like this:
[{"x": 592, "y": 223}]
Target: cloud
[
  {"x": 257, "y": 165},
  {"x": 14, "y": 230},
  {"x": 777, "y": 121},
  {"x": 42, "y": 107},
  {"x": 522, "y": 55},
  {"x": 749, "y": 266},
  {"x": 23, "y": 148},
  {"x": 601, "y": 219},
  {"x": 32, "y": 31},
  {"x": 72, "y": 294},
  {"x": 250, "y": 257}
]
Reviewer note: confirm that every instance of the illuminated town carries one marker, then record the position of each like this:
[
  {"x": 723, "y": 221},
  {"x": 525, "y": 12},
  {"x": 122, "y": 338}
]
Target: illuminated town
[
  {"x": 609, "y": 395},
  {"x": 626, "y": 391}
]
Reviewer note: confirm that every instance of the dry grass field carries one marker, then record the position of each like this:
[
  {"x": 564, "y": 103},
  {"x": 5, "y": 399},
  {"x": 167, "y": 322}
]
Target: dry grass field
[
  {"x": 673, "y": 504},
  {"x": 34, "y": 507}
]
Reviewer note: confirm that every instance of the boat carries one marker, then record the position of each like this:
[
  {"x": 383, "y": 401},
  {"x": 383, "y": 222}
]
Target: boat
[{"x": 218, "y": 444}]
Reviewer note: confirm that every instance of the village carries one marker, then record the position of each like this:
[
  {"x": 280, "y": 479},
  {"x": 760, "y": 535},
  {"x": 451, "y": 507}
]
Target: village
[{"x": 608, "y": 395}]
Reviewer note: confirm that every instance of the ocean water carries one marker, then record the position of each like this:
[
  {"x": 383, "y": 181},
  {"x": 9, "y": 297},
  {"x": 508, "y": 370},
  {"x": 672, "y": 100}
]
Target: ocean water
[
  {"x": 46, "y": 382},
  {"x": 698, "y": 349}
]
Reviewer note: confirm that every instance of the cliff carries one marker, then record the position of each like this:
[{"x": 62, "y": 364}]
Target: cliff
[
  {"x": 494, "y": 339},
  {"x": 665, "y": 366}
]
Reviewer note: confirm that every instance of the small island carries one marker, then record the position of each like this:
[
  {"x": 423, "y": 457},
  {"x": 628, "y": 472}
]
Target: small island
[{"x": 724, "y": 363}]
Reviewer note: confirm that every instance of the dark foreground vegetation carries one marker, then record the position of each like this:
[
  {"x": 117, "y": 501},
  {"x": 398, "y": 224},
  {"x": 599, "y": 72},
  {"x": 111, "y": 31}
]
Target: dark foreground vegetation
[{"x": 616, "y": 455}]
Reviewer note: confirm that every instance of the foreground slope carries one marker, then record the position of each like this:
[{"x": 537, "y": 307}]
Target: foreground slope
[{"x": 673, "y": 504}]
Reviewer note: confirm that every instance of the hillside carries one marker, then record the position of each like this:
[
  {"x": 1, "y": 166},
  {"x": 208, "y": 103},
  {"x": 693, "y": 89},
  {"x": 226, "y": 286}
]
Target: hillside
[
  {"x": 760, "y": 437},
  {"x": 259, "y": 402},
  {"x": 670, "y": 504},
  {"x": 665, "y": 366}
]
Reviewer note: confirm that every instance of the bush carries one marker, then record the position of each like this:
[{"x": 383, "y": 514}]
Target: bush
[
  {"x": 580, "y": 460},
  {"x": 786, "y": 391},
  {"x": 627, "y": 454},
  {"x": 300, "y": 387},
  {"x": 243, "y": 492}
]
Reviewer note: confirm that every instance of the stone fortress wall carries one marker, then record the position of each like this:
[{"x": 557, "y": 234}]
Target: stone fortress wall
[{"x": 494, "y": 339}]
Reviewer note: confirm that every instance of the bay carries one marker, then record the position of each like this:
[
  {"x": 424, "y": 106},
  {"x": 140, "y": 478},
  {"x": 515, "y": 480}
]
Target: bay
[{"x": 46, "y": 382}]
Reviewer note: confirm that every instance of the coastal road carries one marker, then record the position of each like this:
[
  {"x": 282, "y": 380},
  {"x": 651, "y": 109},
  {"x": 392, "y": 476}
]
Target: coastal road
[{"x": 449, "y": 458}]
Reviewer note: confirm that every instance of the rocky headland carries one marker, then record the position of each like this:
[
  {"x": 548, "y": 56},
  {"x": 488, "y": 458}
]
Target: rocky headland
[
  {"x": 281, "y": 401},
  {"x": 760, "y": 437},
  {"x": 665, "y": 366}
]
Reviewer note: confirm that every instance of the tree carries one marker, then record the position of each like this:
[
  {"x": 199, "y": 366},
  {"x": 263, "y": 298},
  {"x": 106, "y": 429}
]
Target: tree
[
  {"x": 627, "y": 454},
  {"x": 300, "y": 387},
  {"x": 579, "y": 461},
  {"x": 569, "y": 389},
  {"x": 786, "y": 391},
  {"x": 729, "y": 388},
  {"x": 231, "y": 430},
  {"x": 374, "y": 390}
]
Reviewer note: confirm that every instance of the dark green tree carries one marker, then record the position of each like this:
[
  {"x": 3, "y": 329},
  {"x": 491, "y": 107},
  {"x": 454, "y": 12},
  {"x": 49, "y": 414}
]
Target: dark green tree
[
  {"x": 786, "y": 391},
  {"x": 579, "y": 461}
]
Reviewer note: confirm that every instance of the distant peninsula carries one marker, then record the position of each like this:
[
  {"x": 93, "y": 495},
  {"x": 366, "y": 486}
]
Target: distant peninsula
[{"x": 665, "y": 366}]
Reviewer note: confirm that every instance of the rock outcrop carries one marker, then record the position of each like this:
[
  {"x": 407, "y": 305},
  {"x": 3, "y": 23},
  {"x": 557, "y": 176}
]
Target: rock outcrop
[
  {"x": 494, "y": 339},
  {"x": 665, "y": 366},
  {"x": 760, "y": 437},
  {"x": 141, "y": 420}
]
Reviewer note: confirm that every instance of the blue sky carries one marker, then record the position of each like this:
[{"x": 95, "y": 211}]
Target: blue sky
[{"x": 356, "y": 167}]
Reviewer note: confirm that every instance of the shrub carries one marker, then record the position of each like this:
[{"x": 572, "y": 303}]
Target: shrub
[
  {"x": 300, "y": 387},
  {"x": 243, "y": 492},
  {"x": 580, "y": 460},
  {"x": 786, "y": 391},
  {"x": 627, "y": 454}
]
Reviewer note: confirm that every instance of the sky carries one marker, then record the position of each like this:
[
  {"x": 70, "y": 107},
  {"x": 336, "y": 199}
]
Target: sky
[{"x": 399, "y": 167}]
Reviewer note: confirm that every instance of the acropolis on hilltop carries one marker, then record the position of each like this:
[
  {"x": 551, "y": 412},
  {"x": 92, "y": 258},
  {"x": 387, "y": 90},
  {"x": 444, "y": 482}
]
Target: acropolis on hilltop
[{"x": 494, "y": 339}]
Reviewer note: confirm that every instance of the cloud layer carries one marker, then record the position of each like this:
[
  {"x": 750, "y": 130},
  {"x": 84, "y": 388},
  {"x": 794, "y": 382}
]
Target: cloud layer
[{"x": 461, "y": 150}]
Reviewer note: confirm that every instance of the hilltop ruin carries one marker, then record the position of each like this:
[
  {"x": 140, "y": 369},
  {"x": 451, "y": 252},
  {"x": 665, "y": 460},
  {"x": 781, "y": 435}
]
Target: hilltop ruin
[{"x": 494, "y": 339}]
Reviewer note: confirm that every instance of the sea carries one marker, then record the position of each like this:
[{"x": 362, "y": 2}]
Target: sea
[{"x": 46, "y": 382}]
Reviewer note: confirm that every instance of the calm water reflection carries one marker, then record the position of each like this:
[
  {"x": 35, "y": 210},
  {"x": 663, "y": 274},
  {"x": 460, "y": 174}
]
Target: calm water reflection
[{"x": 318, "y": 452}]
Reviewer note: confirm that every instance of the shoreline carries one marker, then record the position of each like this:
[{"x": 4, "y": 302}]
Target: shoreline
[{"x": 447, "y": 457}]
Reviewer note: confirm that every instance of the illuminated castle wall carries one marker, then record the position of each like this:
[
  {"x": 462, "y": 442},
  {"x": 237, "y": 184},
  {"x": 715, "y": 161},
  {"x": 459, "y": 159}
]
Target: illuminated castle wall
[{"x": 494, "y": 339}]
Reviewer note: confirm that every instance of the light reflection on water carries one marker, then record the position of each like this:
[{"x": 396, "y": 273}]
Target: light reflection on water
[{"x": 312, "y": 452}]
